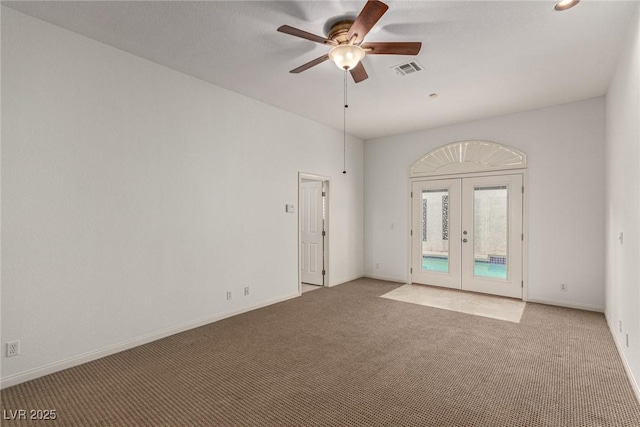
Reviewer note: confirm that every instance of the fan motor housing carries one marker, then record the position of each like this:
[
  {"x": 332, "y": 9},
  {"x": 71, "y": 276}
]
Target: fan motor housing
[{"x": 339, "y": 30}]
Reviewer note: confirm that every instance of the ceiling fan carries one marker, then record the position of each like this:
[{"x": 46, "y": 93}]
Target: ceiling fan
[{"x": 346, "y": 37}]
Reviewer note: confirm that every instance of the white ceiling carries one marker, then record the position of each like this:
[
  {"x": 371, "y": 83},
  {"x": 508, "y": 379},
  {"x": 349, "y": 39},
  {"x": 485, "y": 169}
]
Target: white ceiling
[{"x": 482, "y": 58}]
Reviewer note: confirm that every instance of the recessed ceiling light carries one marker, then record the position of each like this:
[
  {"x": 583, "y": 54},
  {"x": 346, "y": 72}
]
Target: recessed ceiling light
[
  {"x": 565, "y": 4},
  {"x": 433, "y": 95}
]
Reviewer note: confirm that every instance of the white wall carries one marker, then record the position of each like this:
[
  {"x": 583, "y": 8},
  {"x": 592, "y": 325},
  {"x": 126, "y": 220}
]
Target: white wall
[
  {"x": 565, "y": 149},
  {"x": 623, "y": 201},
  {"x": 135, "y": 196}
]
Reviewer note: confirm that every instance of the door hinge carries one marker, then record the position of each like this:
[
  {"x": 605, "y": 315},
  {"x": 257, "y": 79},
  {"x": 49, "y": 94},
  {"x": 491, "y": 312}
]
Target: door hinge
[
  {"x": 324, "y": 233},
  {"x": 411, "y": 270},
  {"x": 523, "y": 189},
  {"x": 522, "y": 283},
  {"x": 324, "y": 194},
  {"x": 412, "y": 194},
  {"x": 522, "y": 237},
  {"x": 324, "y": 272},
  {"x": 412, "y": 232}
]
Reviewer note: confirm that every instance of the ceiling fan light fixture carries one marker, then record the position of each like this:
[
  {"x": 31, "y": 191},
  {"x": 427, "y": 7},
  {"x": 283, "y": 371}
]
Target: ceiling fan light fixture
[
  {"x": 565, "y": 4},
  {"x": 346, "y": 37},
  {"x": 346, "y": 56}
]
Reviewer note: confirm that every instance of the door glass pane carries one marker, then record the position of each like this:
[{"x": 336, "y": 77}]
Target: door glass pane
[
  {"x": 435, "y": 230},
  {"x": 490, "y": 232}
]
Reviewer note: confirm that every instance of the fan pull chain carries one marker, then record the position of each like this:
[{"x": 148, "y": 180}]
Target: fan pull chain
[{"x": 344, "y": 126}]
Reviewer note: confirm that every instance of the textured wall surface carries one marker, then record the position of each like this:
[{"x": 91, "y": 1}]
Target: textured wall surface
[
  {"x": 623, "y": 202},
  {"x": 565, "y": 241},
  {"x": 134, "y": 197}
]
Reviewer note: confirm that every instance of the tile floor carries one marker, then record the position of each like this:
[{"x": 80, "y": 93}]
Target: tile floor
[
  {"x": 500, "y": 308},
  {"x": 307, "y": 287}
]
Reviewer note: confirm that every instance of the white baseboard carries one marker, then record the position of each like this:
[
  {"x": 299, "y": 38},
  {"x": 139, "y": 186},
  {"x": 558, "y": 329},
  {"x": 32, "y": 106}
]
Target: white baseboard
[
  {"x": 116, "y": 348},
  {"x": 385, "y": 278},
  {"x": 627, "y": 368},
  {"x": 567, "y": 304}
]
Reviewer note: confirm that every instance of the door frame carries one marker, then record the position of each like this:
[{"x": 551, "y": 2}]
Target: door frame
[
  {"x": 473, "y": 158},
  {"x": 326, "y": 185},
  {"x": 525, "y": 216}
]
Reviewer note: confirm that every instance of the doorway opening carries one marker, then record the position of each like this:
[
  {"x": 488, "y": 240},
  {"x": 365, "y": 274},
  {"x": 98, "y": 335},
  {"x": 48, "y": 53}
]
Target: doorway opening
[
  {"x": 313, "y": 235},
  {"x": 468, "y": 219}
]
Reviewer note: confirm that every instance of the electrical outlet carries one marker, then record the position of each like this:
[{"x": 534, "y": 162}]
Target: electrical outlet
[
  {"x": 246, "y": 291},
  {"x": 228, "y": 295},
  {"x": 13, "y": 348},
  {"x": 563, "y": 287},
  {"x": 620, "y": 325}
]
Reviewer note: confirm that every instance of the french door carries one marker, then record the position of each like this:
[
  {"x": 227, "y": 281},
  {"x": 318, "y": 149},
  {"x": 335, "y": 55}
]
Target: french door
[{"x": 467, "y": 234}]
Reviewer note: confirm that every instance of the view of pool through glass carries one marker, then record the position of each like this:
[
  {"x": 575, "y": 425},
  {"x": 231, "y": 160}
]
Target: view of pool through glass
[{"x": 480, "y": 268}]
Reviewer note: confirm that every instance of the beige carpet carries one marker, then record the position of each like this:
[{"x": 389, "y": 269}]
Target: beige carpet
[{"x": 343, "y": 356}]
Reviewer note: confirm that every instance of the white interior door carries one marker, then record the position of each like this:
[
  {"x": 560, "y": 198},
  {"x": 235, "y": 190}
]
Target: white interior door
[
  {"x": 467, "y": 234},
  {"x": 436, "y": 233},
  {"x": 311, "y": 241}
]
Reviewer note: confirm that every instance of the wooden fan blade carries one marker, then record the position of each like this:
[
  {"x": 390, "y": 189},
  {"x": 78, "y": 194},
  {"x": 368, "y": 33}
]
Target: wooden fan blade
[
  {"x": 368, "y": 17},
  {"x": 310, "y": 64},
  {"x": 359, "y": 73},
  {"x": 392, "y": 48},
  {"x": 304, "y": 35}
]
